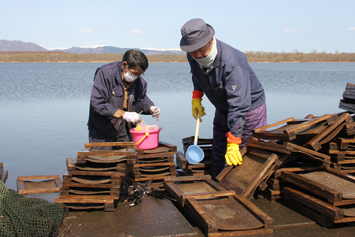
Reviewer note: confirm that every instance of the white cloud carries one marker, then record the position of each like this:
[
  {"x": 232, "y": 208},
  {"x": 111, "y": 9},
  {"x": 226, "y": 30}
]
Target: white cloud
[
  {"x": 84, "y": 31},
  {"x": 50, "y": 34},
  {"x": 136, "y": 32},
  {"x": 351, "y": 28},
  {"x": 105, "y": 25},
  {"x": 247, "y": 36},
  {"x": 92, "y": 24},
  {"x": 286, "y": 30}
]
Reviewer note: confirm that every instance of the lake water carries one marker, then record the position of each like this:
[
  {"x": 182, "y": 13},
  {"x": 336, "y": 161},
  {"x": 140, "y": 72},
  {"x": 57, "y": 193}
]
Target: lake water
[{"x": 44, "y": 107}]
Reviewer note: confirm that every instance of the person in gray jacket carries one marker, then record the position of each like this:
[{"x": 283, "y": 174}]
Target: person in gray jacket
[
  {"x": 223, "y": 74},
  {"x": 118, "y": 97}
]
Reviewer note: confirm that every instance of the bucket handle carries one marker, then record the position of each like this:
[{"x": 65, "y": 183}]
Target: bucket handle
[{"x": 146, "y": 134}]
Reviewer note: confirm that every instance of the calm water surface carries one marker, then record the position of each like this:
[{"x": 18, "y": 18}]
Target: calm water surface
[{"x": 44, "y": 107}]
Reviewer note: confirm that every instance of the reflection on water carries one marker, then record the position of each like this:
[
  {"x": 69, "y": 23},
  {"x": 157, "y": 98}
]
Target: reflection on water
[{"x": 44, "y": 107}]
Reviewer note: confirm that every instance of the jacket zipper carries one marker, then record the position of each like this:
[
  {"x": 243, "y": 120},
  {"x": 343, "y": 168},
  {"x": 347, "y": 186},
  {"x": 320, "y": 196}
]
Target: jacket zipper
[
  {"x": 129, "y": 100},
  {"x": 129, "y": 103}
]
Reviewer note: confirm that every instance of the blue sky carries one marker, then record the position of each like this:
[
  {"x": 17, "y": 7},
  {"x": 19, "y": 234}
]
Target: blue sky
[{"x": 253, "y": 25}]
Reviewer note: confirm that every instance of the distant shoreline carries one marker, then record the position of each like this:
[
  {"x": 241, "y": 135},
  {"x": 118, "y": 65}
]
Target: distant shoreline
[{"x": 253, "y": 57}]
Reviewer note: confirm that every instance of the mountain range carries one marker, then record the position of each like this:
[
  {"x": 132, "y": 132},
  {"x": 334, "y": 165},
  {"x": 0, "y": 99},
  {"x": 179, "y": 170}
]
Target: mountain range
[{"x": 16, "y": 45}]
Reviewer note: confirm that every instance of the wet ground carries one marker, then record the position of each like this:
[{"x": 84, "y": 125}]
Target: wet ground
[{"x": 163, "y": 217}]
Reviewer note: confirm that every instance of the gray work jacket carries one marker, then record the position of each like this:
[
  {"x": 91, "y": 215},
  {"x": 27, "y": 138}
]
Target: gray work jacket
[
  {"x": 107, "y": 97},
  {"x": 230, "y": 84}
]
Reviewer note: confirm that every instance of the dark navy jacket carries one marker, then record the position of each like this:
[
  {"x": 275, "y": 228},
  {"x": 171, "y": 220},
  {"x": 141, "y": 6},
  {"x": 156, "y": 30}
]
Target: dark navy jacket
[
  {"x": 107, "y": 97},
  {"x": 231, "y": 85}
]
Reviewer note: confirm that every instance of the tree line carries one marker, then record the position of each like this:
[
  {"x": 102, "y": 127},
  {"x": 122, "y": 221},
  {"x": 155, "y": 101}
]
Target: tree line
[
  {"x": 312, "y": 57},
  {"x": 253, "y": 57},
  {"x": 63, "y": 57}
]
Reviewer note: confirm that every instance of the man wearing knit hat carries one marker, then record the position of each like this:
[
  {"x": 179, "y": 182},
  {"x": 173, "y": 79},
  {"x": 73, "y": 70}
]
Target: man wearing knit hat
[{"x": 224, "y": 75}]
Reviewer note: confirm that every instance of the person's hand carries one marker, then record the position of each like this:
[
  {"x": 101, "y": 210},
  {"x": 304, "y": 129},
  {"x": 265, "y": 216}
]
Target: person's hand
[
  {"x": 132, "y": 117},
  {"x": 197, "y": 108},
  {"x": 155, "y": 111},
  {"x": 233, "y": 156}
]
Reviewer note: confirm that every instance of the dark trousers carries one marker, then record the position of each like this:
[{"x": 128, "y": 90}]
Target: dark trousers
[
  {"x": 254, "y": 119},
  {"x": 122, "y": 135}
]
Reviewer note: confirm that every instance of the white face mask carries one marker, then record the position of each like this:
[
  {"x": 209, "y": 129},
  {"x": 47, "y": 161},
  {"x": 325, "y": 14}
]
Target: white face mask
[
  {"x": 129, "y": 77},
  {"x": 208, "y": 61}
]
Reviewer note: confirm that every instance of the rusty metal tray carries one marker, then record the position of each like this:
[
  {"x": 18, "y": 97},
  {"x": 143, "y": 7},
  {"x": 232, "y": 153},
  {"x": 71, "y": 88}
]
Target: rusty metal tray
[
  {"x": 245, "y": 178},
  {"x": 193, "y": 186},
  {"x": 38, "y": 184},
  {"x": 348, "y": 211},
  {"x": 230, "y": 214},
  {"x": 346, "y": 187},
  {"x": 332, "y": 185}
]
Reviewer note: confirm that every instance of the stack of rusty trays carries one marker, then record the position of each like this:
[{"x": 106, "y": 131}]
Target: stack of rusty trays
[
  {"x": 304, "y": 138},
  {"x": 3, "y": 173},
  {"x": 348, "y": 101},
  {"x": 94, "y": 179},
  {"x": 202, "y": 168},
  {"x": 155, "y": 164},
  {"x": 343, "y": 126},
  {"x": 274, "y": 183},
  {"x": 291, "y": 129},
  {"x": 218, "y": 211},
  {"x": 327, "y": 195},
  {"x": 303, "y": 143},
  {"x": 291, "y": 151},
  {"x": 342, "y": 152}
]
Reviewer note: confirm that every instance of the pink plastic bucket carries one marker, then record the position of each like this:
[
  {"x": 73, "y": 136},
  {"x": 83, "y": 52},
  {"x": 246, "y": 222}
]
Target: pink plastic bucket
[{"x": 146, "y": 140}]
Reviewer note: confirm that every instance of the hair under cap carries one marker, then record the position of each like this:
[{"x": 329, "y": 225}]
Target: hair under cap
[{"x": 195, "y": 34}]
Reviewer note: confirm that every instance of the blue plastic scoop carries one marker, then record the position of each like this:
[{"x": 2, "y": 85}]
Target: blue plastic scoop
[{"x": 194, "y": 153}]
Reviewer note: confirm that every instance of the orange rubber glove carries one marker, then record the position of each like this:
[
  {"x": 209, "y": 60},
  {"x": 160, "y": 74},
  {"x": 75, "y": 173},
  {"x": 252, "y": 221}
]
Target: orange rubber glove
[
  {"x": 197, "y": 108},
  {"x": 233, "y": 156}
]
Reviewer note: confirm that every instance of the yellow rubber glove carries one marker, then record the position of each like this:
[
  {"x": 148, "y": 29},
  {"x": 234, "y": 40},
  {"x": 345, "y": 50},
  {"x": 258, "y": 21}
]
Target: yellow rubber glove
[
  {"x": 233, "y": 156},
  {"x": 197, "y": 108}
]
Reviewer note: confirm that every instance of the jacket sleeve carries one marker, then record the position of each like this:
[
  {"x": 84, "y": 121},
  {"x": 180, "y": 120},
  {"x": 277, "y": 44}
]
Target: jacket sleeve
[
  {"x": 100, "y": 95},
  {"x": 237, "y": 88},
  {"x": 196, "y": 87}
]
